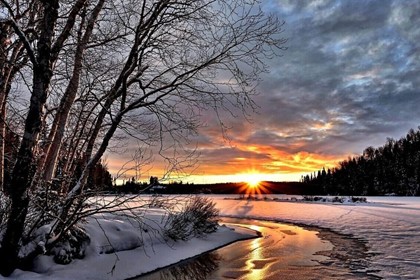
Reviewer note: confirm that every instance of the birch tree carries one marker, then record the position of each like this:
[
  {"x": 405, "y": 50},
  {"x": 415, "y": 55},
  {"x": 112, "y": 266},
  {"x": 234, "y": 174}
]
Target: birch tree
[{"x": 97, "y": 67}]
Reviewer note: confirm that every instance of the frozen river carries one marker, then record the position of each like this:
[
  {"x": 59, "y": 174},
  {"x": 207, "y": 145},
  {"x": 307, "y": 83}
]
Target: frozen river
[
  {"x": 300, "y": 240},
  {"x": 282, "y": 252}
]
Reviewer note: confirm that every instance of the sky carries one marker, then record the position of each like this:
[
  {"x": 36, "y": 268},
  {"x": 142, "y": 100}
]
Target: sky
[{"x": 349, "y": 79}]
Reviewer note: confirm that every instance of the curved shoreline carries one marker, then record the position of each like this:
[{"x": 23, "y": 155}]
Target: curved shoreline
[
  {"x": 257, "y": 235},
  {"x": 347, "y": 255}
]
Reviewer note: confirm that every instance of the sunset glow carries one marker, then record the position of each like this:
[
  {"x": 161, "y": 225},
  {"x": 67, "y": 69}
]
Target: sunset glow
[
  {"x": 254, "y": 184},
  {"x": 239, "y": 164},
  {"x": 252, "y": 180},
  {"x": 313, "y": 117}
]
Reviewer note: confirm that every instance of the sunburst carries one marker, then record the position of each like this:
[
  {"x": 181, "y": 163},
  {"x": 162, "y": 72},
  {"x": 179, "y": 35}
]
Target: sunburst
[
  {"x": 252, "y": 180},
  {"x": 253, "y": 184}
]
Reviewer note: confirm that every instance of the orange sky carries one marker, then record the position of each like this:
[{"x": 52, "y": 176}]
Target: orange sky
[
  {"x": 225, "y": 164},
  {"x": 348, "y": 80}
]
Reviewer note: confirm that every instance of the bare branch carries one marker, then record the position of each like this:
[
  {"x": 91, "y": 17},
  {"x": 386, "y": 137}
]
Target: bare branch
[{"x": 21, "y": 34}]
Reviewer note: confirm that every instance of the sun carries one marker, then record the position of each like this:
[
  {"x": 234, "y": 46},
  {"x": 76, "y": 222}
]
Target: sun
[{"x": 253, "y": 182}]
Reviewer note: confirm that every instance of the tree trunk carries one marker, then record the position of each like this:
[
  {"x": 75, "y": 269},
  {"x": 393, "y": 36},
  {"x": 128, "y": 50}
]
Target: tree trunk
[
  {"x": 22, "y": 172},
  {"x": 3, "y": 84},
  {"x": 60, "y": 226},
  {"x": 2, "y": 139},
  {"x": 60, "y": 120}
]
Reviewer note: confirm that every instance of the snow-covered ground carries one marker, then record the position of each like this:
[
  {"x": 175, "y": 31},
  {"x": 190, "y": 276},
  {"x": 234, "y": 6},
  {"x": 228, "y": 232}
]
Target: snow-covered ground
[
  {"x": 140, "y": 248},
  {"x": 390, "y": 225}
]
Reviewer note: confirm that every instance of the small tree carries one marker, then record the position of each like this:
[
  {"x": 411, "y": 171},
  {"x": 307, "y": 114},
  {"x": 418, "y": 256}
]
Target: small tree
[
  {"x": 198, "y": 217},
  {"x": 154, "y": 181}
]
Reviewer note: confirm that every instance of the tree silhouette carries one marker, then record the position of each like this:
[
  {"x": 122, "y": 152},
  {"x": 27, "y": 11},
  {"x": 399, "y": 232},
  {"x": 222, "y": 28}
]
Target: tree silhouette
[
  {"x": 393, "y": 168},
  {"x": 97, "y": 69}
]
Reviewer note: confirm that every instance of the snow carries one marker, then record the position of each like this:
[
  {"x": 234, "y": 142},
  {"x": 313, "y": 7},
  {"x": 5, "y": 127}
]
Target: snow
[
  {"x": 390, "y": 225},
  {"x": 139, "y": 248}
]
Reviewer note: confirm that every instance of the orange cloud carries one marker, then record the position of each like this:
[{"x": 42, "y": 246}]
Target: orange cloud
[{"x": 286, "y": 161}]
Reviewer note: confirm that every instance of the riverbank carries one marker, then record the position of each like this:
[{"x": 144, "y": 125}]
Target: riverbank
[
  {"x": 119, "y": 250},
  {"x": 388, "y": 226},
  {"x": 284, "y": 251}
]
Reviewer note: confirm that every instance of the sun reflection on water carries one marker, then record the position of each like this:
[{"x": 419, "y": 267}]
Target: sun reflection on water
[{"x": 255, "y": 258}]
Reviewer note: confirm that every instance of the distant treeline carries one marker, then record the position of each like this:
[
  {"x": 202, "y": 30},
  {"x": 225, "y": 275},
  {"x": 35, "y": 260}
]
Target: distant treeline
[
  {"x": 219, "y": 188},
  {"x": 393, "y": 168}
]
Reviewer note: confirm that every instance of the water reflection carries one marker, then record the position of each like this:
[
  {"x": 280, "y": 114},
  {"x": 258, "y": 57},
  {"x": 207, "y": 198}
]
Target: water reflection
[
  {"x": 283, "y": 252},
  {"x": 198, "y": 268},
  {"x": 255, "y": 264}
]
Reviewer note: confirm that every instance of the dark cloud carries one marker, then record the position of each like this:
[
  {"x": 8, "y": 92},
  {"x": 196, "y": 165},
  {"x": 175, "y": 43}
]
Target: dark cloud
[
  {"x": 348, "y": 80},
  {"x": 350, "y": 65}
]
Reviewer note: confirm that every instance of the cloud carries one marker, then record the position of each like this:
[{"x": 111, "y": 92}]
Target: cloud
[
  {"x": 348, "y": 80},
  {"x": 350, "y": 65}
]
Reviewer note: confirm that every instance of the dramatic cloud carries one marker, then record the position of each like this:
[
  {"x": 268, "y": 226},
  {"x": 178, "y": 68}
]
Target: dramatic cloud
[{"x": 348, "y": 80}]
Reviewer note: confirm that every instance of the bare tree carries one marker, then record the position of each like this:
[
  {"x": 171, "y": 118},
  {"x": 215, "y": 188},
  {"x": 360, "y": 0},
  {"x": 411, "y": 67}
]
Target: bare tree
[
  {"x": 42, "y": 59},
  {"x": 99, "y": 66},
  {"x": 12, "y": 59},
  {"x": 57, "y": 131}
]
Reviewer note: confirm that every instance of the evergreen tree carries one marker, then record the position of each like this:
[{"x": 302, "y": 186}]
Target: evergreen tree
[{"x": 393, "y": 168}]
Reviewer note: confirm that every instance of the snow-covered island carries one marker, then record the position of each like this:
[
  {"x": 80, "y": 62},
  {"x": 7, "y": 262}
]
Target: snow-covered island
[{"x": 119, "y": 250}]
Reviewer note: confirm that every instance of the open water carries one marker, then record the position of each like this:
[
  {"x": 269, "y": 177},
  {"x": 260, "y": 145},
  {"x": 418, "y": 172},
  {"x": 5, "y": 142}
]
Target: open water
[{"x": 282, "y": 252}]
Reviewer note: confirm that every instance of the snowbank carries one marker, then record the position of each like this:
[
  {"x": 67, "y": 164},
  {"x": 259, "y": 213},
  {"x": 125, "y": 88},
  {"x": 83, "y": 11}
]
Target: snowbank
[
  {"x": 390, "y": 225},
  {"x": 129, "y": 249}
]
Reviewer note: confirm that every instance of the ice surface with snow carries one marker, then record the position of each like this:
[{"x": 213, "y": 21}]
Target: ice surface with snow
[{"x": 389, "y": 225}]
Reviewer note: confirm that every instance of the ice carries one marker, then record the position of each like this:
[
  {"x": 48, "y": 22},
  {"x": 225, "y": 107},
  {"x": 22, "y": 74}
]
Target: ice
[{"x": 389, "y": 225}]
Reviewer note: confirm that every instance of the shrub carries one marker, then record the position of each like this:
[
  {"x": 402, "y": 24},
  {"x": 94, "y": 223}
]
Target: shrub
[
  {"x": 198, "y": 217},
  {"x": 358, "y": 199},
  {"x": 72, "y": 246}
]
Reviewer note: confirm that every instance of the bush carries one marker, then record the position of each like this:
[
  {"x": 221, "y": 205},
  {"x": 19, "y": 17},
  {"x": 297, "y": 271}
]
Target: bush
[
  {"x": 359, "y": 199},
  {"x": 72, "y": 246},
  {"x": 199, "y": 216}
]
